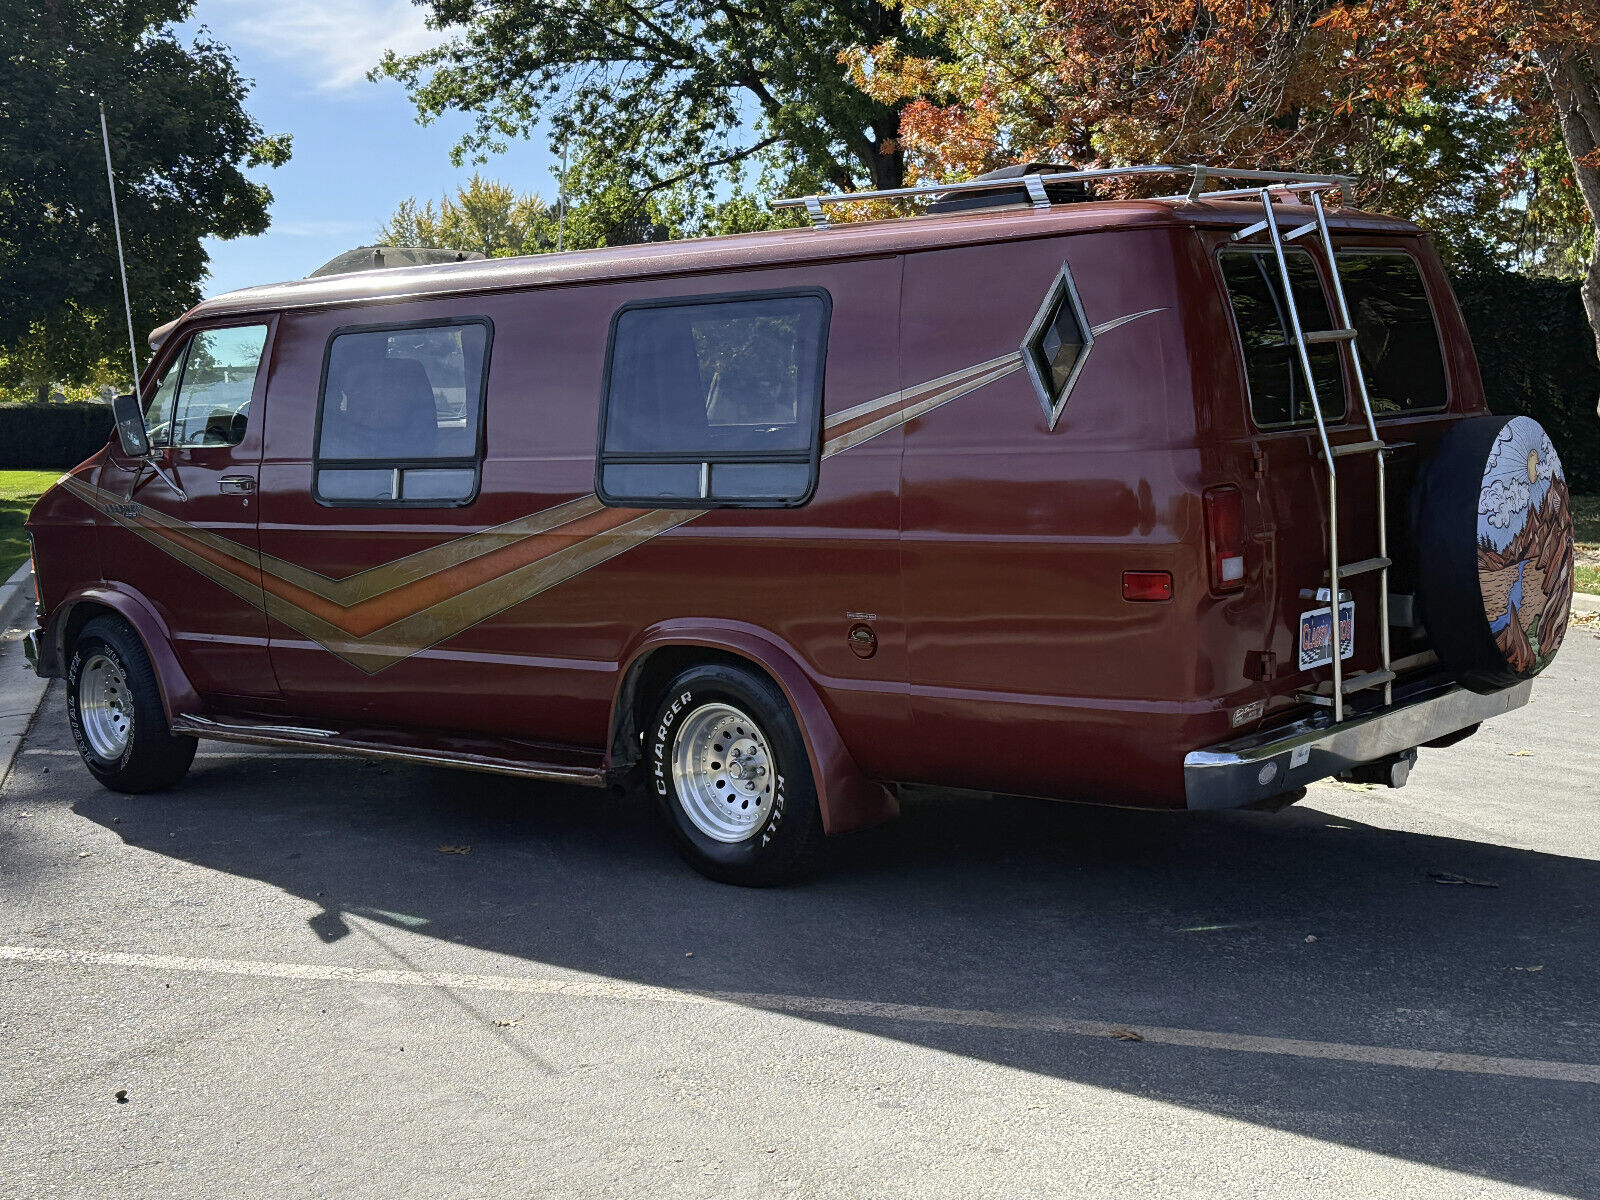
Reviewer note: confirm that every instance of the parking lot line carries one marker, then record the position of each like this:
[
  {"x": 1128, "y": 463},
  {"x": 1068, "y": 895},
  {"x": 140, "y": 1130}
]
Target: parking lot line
[{"x": 605, "y": 989}]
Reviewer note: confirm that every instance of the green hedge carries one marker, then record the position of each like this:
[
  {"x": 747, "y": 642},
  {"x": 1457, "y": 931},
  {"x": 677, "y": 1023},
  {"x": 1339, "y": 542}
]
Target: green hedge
[
  {"x": 51, "y": 435},
  {"x": 1537, "y": 355}
]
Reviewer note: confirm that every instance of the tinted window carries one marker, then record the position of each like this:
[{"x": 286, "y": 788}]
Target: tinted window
[
  {"x": 1396, "y": 336},
  {"x": 203, "y": 398},
  {"x": 714, "y": 401},
  {"x": 400, "y": 415},
  {"x": 1272, "y": 367}
]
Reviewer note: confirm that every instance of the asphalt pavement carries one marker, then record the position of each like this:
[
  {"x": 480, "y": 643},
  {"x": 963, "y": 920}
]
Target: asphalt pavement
[{"x": 304, "y": 976}]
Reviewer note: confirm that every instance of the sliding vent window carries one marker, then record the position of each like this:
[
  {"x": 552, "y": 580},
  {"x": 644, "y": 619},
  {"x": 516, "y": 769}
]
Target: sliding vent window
[
  {"x": 401, "y": 414},
  {"x": 1395, "y": 334},
  {"x": 1278, "y": 396},
  {"x": 715, "y": 402}
]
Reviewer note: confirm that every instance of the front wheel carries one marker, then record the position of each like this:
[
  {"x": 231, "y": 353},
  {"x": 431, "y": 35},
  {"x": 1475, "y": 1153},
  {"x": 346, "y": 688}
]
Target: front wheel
[
  {"x": 114, "y": 706},
  {"x": 729, "y": 771}
]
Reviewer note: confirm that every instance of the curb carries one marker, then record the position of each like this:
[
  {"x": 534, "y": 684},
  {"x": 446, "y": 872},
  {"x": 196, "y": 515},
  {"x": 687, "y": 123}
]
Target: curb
[
  {"x": 10, "y": 588},
  {"x": 1583, "y": 603},
  {"x": 21, "y": 691}
]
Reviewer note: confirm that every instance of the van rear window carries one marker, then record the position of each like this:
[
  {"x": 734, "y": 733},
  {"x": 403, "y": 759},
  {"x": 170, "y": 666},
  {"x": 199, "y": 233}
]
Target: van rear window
[
  {"x": 1395, "y": 331},
  {"x": 714, "y": 401},
  {"x": 400, "y": 414},
  {"x": 1278, "y": 395}
]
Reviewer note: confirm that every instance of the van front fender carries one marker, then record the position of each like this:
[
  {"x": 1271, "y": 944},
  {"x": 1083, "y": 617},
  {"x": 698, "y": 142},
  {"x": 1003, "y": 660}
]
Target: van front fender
[
  {"x": 178, "y": 695},
  {"x": 848, "y": 799}
]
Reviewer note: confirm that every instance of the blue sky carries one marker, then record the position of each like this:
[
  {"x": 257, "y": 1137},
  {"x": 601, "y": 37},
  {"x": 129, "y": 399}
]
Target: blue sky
[{"x": 358, "y": 150}]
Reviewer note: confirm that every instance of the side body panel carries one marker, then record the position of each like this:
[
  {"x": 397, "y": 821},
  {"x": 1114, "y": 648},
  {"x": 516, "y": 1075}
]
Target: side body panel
[
  {"x": 443, "y": 626},
  {"x": 1029, "y": 671}
]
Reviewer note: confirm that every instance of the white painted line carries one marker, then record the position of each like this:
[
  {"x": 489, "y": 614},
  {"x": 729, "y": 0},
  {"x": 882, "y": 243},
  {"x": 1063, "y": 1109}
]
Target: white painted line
[{"x": 606, "y": 989}]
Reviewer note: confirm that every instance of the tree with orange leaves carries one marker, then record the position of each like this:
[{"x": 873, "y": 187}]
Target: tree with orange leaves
[{"x": 1439, "y": 107}]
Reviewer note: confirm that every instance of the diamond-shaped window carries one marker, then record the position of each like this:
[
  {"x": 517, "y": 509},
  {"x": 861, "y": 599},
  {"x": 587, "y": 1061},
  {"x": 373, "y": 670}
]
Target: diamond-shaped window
[{"x": 1058, "y": 343}]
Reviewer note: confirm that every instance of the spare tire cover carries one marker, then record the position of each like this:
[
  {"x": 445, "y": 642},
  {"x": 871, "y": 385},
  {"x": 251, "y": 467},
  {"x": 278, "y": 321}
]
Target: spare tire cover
[{"x": 1495, "y": 551}]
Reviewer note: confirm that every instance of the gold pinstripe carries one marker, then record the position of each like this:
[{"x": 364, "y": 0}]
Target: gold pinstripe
[{"x": 408, "y": 635}]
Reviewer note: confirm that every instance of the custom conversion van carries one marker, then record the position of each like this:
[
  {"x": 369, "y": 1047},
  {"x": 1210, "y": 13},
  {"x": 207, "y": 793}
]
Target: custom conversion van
[{"x": 1177, "y": 502}]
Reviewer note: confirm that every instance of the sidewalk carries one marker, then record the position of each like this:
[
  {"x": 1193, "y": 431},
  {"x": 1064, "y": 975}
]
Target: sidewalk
[{"x": 20, "y": 689}]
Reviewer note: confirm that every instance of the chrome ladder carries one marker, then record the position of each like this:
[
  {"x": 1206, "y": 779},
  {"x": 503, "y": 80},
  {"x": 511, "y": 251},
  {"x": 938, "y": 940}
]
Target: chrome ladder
[{"x": 1300, "y": 340}]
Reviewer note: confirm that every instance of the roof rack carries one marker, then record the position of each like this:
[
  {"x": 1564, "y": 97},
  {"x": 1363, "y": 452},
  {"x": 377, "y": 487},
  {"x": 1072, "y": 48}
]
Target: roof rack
[{"x": 1035, "y": 184}]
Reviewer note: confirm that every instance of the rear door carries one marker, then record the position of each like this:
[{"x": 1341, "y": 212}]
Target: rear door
[
  {"x": 1400, "y": 357},
  {"x": 194, "y": 556}
]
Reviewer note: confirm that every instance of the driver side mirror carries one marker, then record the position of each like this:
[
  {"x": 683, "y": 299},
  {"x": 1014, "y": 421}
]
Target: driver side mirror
[{"x": 131, "y": 431}]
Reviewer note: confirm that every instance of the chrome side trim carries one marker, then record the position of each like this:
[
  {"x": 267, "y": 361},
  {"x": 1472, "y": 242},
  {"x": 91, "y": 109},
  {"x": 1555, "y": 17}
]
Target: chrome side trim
[
  {"x": 1263, "y": 765},
  {"x": 277, "y": 735}
]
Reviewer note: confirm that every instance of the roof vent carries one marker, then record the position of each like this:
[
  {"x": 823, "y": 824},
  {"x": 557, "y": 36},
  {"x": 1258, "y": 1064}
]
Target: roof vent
[
  {"x": 1013, "y": 197},
  {"x": 378, "y": 258}
]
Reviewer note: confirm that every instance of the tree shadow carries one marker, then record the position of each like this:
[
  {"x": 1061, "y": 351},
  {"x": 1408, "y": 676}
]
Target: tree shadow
[{"x": 1294, "y": 925}]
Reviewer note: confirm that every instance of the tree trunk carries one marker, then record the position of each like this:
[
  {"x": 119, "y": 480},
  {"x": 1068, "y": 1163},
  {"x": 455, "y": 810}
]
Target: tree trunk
[{"x": 1576, "y": 87}]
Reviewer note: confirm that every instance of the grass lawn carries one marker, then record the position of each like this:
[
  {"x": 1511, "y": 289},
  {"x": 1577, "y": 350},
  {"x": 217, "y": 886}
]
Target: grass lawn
[
  {"x": 18, "y": 491},
  {"x": 1586, "y": 521}
]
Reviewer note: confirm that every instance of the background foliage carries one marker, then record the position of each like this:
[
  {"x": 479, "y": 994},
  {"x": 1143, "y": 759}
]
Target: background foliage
[{"x": 180, "y": 137}]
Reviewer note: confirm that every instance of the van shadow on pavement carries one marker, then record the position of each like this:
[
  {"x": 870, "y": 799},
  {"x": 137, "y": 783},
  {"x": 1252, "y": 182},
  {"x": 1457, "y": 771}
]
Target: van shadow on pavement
[{"x": 1002, "y": 904}]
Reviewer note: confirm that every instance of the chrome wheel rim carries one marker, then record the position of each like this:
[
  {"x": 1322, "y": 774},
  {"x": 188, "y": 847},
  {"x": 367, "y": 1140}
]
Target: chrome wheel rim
[
  {"x": 723, "y": 772},
  {"x": 105, "y": 707}
]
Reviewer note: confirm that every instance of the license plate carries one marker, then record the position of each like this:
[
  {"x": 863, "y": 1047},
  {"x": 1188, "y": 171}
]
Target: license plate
[{"x": 1316, "y": 635}]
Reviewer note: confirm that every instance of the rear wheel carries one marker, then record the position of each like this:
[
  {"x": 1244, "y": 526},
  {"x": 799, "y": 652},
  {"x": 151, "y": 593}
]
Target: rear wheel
[
  {"x": 729, "y": 771},
  {"x": 114, "y": 707}
]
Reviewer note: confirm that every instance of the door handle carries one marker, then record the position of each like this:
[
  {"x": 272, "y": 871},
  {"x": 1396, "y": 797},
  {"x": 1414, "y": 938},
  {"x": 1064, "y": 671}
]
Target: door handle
[{"x": 236, "y": 485}]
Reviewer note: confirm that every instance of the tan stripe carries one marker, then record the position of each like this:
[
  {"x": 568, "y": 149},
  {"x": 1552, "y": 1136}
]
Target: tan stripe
[
  {"x": 902, "y": 416},
  {"x": 375, "y": 581},
  {"x": 595, "y": 988},
  {"x": 322, "y": 608}
]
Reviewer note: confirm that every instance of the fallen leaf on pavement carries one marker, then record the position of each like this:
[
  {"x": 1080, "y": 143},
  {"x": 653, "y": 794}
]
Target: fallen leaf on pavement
[
  {"x": 1450, "y": 877},
  {"x": 455, "y": 849},
  {"x": 1127, "y": 1035},
  {"x": 509, "y": 1022},
  {"x": 1540, "y": 967},
  {"x": 1520, "y": 753}
]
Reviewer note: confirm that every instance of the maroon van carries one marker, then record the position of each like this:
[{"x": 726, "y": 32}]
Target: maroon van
[{"x": 1175, "y": 502}]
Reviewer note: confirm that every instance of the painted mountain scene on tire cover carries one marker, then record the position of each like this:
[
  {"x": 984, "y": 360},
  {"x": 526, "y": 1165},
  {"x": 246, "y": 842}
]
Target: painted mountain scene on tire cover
[{"x": 1525, "y": 546}]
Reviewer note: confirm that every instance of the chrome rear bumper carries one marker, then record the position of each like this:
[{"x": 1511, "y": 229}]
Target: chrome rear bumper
[{"x": 1268, "y": 764}]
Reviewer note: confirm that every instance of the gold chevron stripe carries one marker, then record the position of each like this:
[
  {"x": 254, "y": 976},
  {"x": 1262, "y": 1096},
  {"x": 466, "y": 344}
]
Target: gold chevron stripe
[{"x": 379, "y": 616}]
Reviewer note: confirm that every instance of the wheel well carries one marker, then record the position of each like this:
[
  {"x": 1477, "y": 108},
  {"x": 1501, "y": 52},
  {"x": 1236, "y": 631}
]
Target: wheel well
[
  {"x": 78, "y": 616},
  {"x": 645, "y": 681}
]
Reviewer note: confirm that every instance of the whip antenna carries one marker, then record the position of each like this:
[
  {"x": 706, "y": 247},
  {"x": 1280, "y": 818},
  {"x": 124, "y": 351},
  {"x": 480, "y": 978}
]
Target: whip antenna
[{"x": 116, "y": 225}]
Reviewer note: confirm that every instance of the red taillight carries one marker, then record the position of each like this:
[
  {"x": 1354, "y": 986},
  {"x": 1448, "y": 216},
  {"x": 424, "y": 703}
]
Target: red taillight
[
  {"x": 1146, "y": 585},
  {"x": 1225, "y": 538}
]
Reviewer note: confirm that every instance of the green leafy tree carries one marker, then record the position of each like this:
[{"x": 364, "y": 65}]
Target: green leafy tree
[
  {"x": 483, "y": 215},
  {"x": 181, "y": 140},
  {"x": 670, "y": 94}
]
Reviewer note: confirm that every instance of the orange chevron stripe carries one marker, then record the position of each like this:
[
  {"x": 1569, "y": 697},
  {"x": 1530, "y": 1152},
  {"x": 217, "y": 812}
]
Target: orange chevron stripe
[
  {"x": 369, "y": 616},
  {"x": 384, "y": 628}
]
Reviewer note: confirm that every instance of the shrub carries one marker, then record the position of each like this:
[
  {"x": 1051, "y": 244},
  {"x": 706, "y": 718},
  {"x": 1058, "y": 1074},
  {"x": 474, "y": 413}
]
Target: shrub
[{"x": 51, "y": 435}]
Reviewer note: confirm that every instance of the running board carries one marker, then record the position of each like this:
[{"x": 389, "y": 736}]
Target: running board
[{"x": 490, "y": 755}]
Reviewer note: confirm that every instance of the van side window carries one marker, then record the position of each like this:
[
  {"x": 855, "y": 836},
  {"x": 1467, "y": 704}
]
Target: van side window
[
  {"x": 1272, "y": 368},
  {"x": 203, "y": 398},
  {"x": 714, "y": 401},
  {"x": 400, "y": 414},
  {"x": 1395, "y": 332}
]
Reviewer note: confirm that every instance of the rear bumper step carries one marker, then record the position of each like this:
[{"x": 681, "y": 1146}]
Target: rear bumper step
[{"x": 1263, "y": 765}]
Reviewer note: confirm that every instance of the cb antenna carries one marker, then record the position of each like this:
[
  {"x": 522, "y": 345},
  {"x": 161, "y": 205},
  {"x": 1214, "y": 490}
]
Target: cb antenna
[{"x": 122, "y": 265}]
